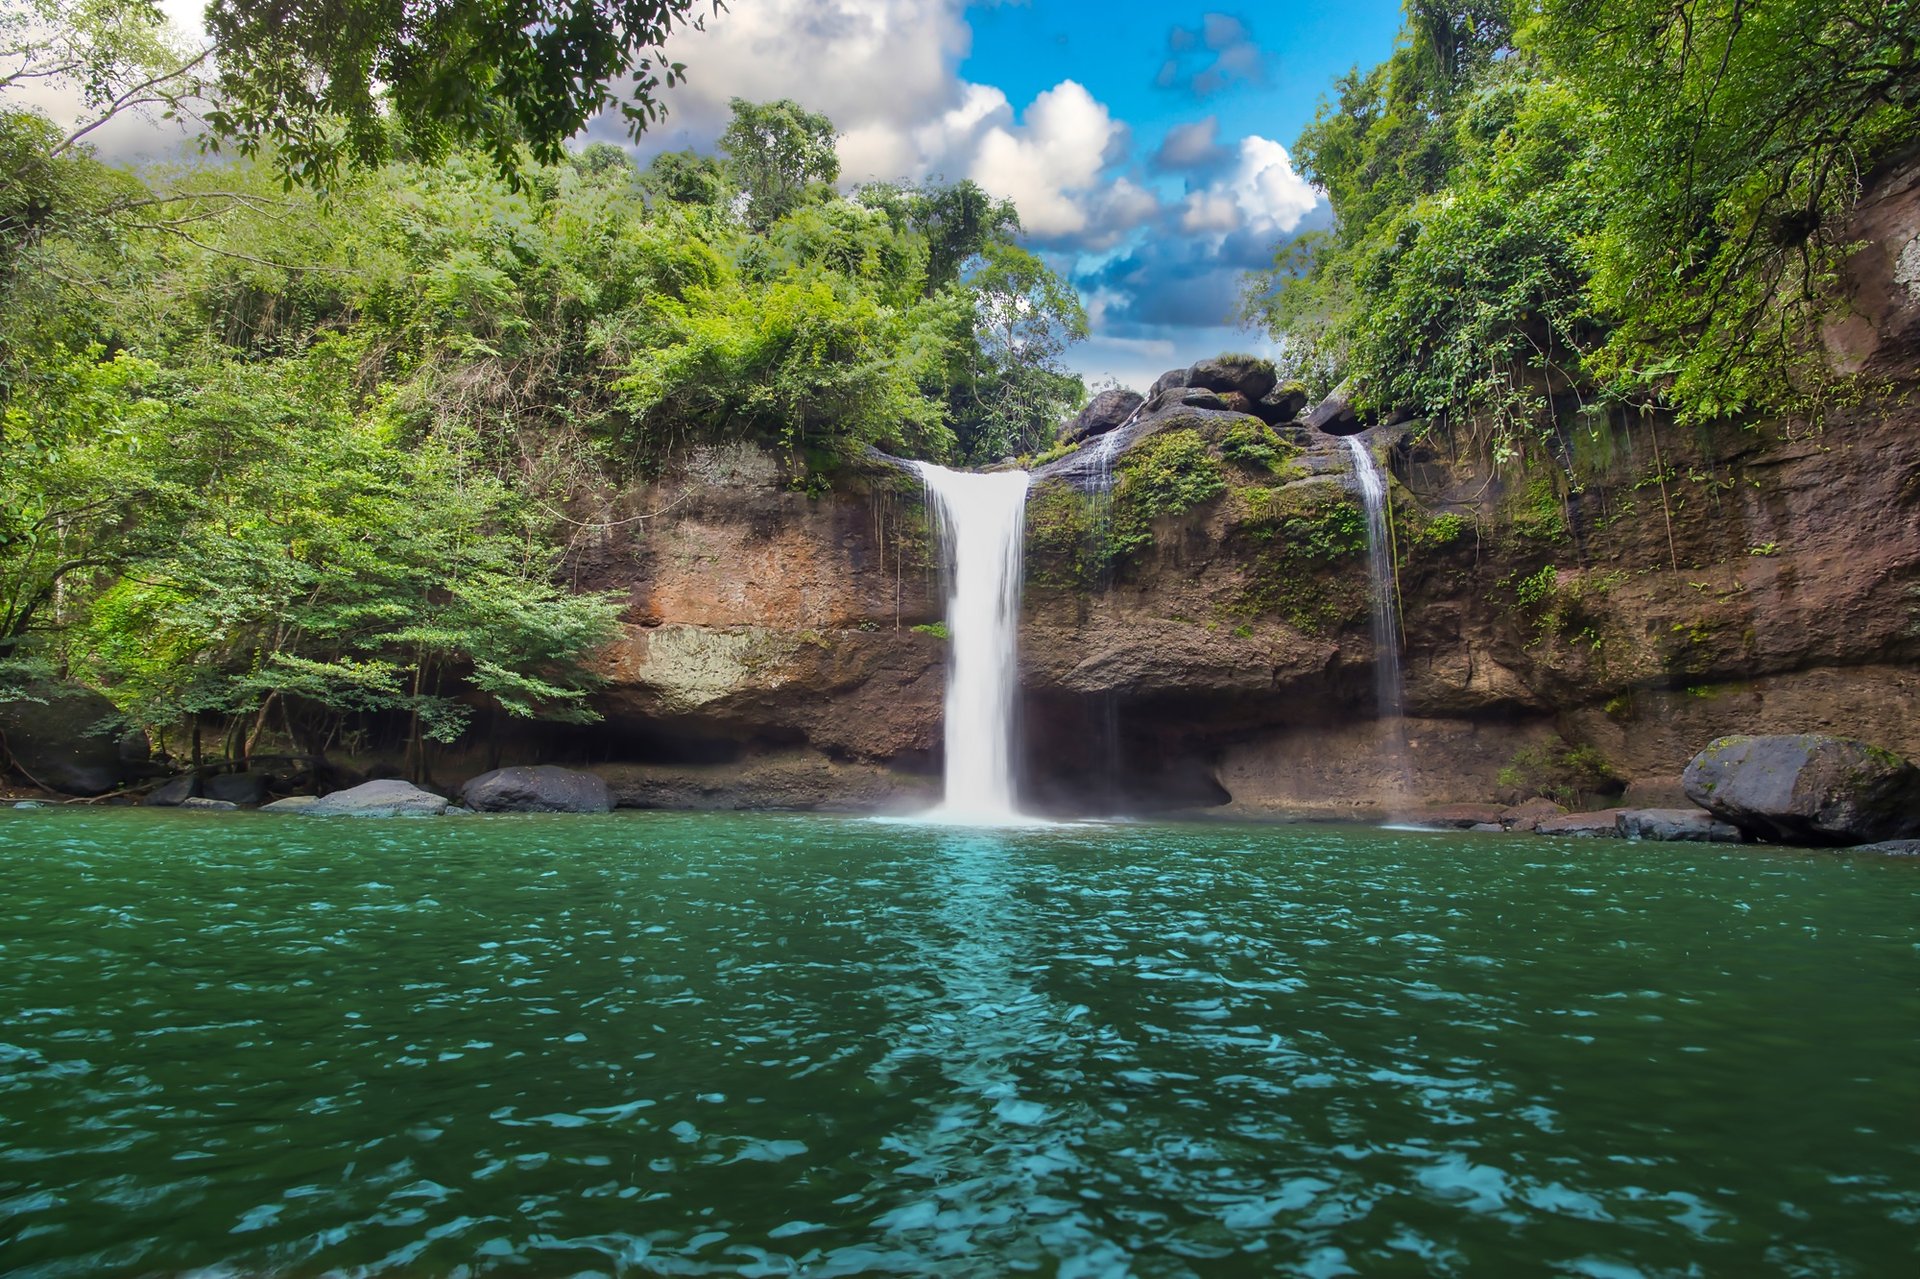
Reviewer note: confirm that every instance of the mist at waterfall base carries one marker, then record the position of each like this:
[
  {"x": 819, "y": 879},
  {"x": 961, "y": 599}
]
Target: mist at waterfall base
[{"x": 980, "y": 520}]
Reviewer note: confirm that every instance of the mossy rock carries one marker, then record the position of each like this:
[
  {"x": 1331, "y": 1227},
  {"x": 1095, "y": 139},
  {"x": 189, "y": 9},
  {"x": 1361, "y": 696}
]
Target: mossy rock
[{"x": 1807, "y": 788}]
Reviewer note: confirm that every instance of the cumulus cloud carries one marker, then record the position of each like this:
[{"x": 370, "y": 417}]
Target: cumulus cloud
[
  {"x": 868, "y": 65},
  {"x": 886, "y": 73},
  {"x": 1211, "y": 57},
  {"x": 1262, "y": 195}
]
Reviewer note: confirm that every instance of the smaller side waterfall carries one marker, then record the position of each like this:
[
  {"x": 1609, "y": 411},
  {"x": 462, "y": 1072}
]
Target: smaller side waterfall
[
  {"x": 1388, "y": 686},
  {"x": 981, "y": 522},
  {"x": 1389, "y": 690}
]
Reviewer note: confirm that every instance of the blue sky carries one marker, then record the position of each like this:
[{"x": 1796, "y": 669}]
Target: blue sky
[{"x": 1144, "y": 144}]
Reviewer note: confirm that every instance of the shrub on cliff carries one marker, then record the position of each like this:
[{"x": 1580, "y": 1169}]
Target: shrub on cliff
[{"x": 1167, "y": 474}]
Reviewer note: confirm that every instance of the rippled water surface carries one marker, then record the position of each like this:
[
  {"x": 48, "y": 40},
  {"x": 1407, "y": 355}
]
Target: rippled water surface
[{"x": 656, "y": 1043}]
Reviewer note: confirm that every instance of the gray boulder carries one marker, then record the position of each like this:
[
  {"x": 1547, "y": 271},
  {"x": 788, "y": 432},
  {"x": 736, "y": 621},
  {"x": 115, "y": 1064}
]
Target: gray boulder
[
  {"x": 174, "y": 792},
  {"x": 204, "y": 804},
  {"x": 1104, "y": 412},
  {"x": 1687, "y": 825},
  {"x": 1807, "y": 788},
  {"x": 539, "y": 788},
  {"x": 1604, "y": 824},
  {"x": 1248, "y": 375},
  {"x": 1281, "y": 404},
  {"x": 52, "y": 732},
  {"x": 1168, "y": 381},
  {"x": 1336, "y": 415},
  {"x": 388, "y": 797},
  {"x": 1193, "y": 397},
  {"x": 291, "y": 804}
]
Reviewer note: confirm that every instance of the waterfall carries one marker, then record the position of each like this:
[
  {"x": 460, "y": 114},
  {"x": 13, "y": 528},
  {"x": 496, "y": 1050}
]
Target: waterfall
[
  {"x": 981, "y": 520},
  {"x": 1389, "y": 693}
]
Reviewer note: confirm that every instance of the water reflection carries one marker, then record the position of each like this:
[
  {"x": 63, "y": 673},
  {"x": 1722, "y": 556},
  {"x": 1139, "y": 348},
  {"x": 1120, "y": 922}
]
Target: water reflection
[{"x": 994, "y": 1061}]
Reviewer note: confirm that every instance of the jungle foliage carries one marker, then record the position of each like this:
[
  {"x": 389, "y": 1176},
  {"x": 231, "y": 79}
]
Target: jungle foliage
[
  {"x": 274, "y": 458},
  {"x": 1636, "y": 202}
]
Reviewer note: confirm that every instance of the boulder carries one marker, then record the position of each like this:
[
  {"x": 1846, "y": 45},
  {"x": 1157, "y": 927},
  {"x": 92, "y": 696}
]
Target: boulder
[
  {"x": 236, "y": 788},
  {"x": 1604, "y": 824},
  {"x": 1336, "y": 415},
  {"x": 59, "y": 736},
  {"x": 204, "y": 804},
  {"x": 1248, "y": 375},
  {"x": 1529, "y": 814},
  {"x": 541, "y": 788},
  {"x": 174, "y": 792},
  {"x": 388, "y": 797},
  {"x": 1170, "y": 380},
  {"x": 291, "y": 804},
  {"x": 1807, "y": 788},
  {"x": 28, "y": 805},
  {"x": 1195, "y": 397},
  {"x": 1688, "y": 825},
  {"x": 1104, "y": 412},
  {"x": 1281, "y": 404}
]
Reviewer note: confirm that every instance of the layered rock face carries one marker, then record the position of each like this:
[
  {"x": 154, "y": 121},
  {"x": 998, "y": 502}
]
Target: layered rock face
[{"x": 1195, "y": 625}]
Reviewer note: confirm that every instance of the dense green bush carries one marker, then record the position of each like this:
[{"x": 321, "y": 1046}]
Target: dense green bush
[{"x": 1640, "y": 201}]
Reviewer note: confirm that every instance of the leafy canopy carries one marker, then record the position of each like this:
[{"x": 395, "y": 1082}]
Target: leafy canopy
[{"x": 1640, "y": 201}]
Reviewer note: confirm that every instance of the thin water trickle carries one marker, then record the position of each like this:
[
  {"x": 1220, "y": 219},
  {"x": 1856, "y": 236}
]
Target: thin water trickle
[
  {"x": 981, "y": 522},
  {"x": 1389, "y": 688}
]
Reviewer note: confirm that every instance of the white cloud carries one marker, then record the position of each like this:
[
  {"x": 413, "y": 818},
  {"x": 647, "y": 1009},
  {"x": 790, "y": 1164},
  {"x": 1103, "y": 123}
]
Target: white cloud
[
  {"x": 871, "y": 66},
  {"x": 1262, "y": 195},
  {"x": 1050, "y": 165},
  {"x": 886, "y": 73}
]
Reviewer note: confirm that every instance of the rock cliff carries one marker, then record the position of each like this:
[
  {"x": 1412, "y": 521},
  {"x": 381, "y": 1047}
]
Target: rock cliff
[{"x": 1195, "y": 628}]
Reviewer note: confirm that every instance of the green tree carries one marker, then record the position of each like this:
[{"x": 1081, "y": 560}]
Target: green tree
[
  {"x": 781, "y": 155},
  {"x": 1015, "y": 390},
  {"x": 360, "y": 81},
  {"x": 1737, "y": 138}
]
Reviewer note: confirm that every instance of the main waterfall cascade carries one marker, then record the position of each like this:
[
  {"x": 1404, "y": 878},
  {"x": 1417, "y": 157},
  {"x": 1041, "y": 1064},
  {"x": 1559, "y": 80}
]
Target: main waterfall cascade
[
  {"x": 1388, "y": 685},
  {"x": 981, "y": 522}
]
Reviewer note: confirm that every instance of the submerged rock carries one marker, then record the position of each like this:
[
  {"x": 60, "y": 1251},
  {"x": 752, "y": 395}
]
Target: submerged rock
[
  {"x": 1807, "y": 788},
  {"x": 1888, "y": 847},
  {"x": 539, "y": 788},
  {"x": 385, "y": 798},
  {"x": 1689, "y": 825}
]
